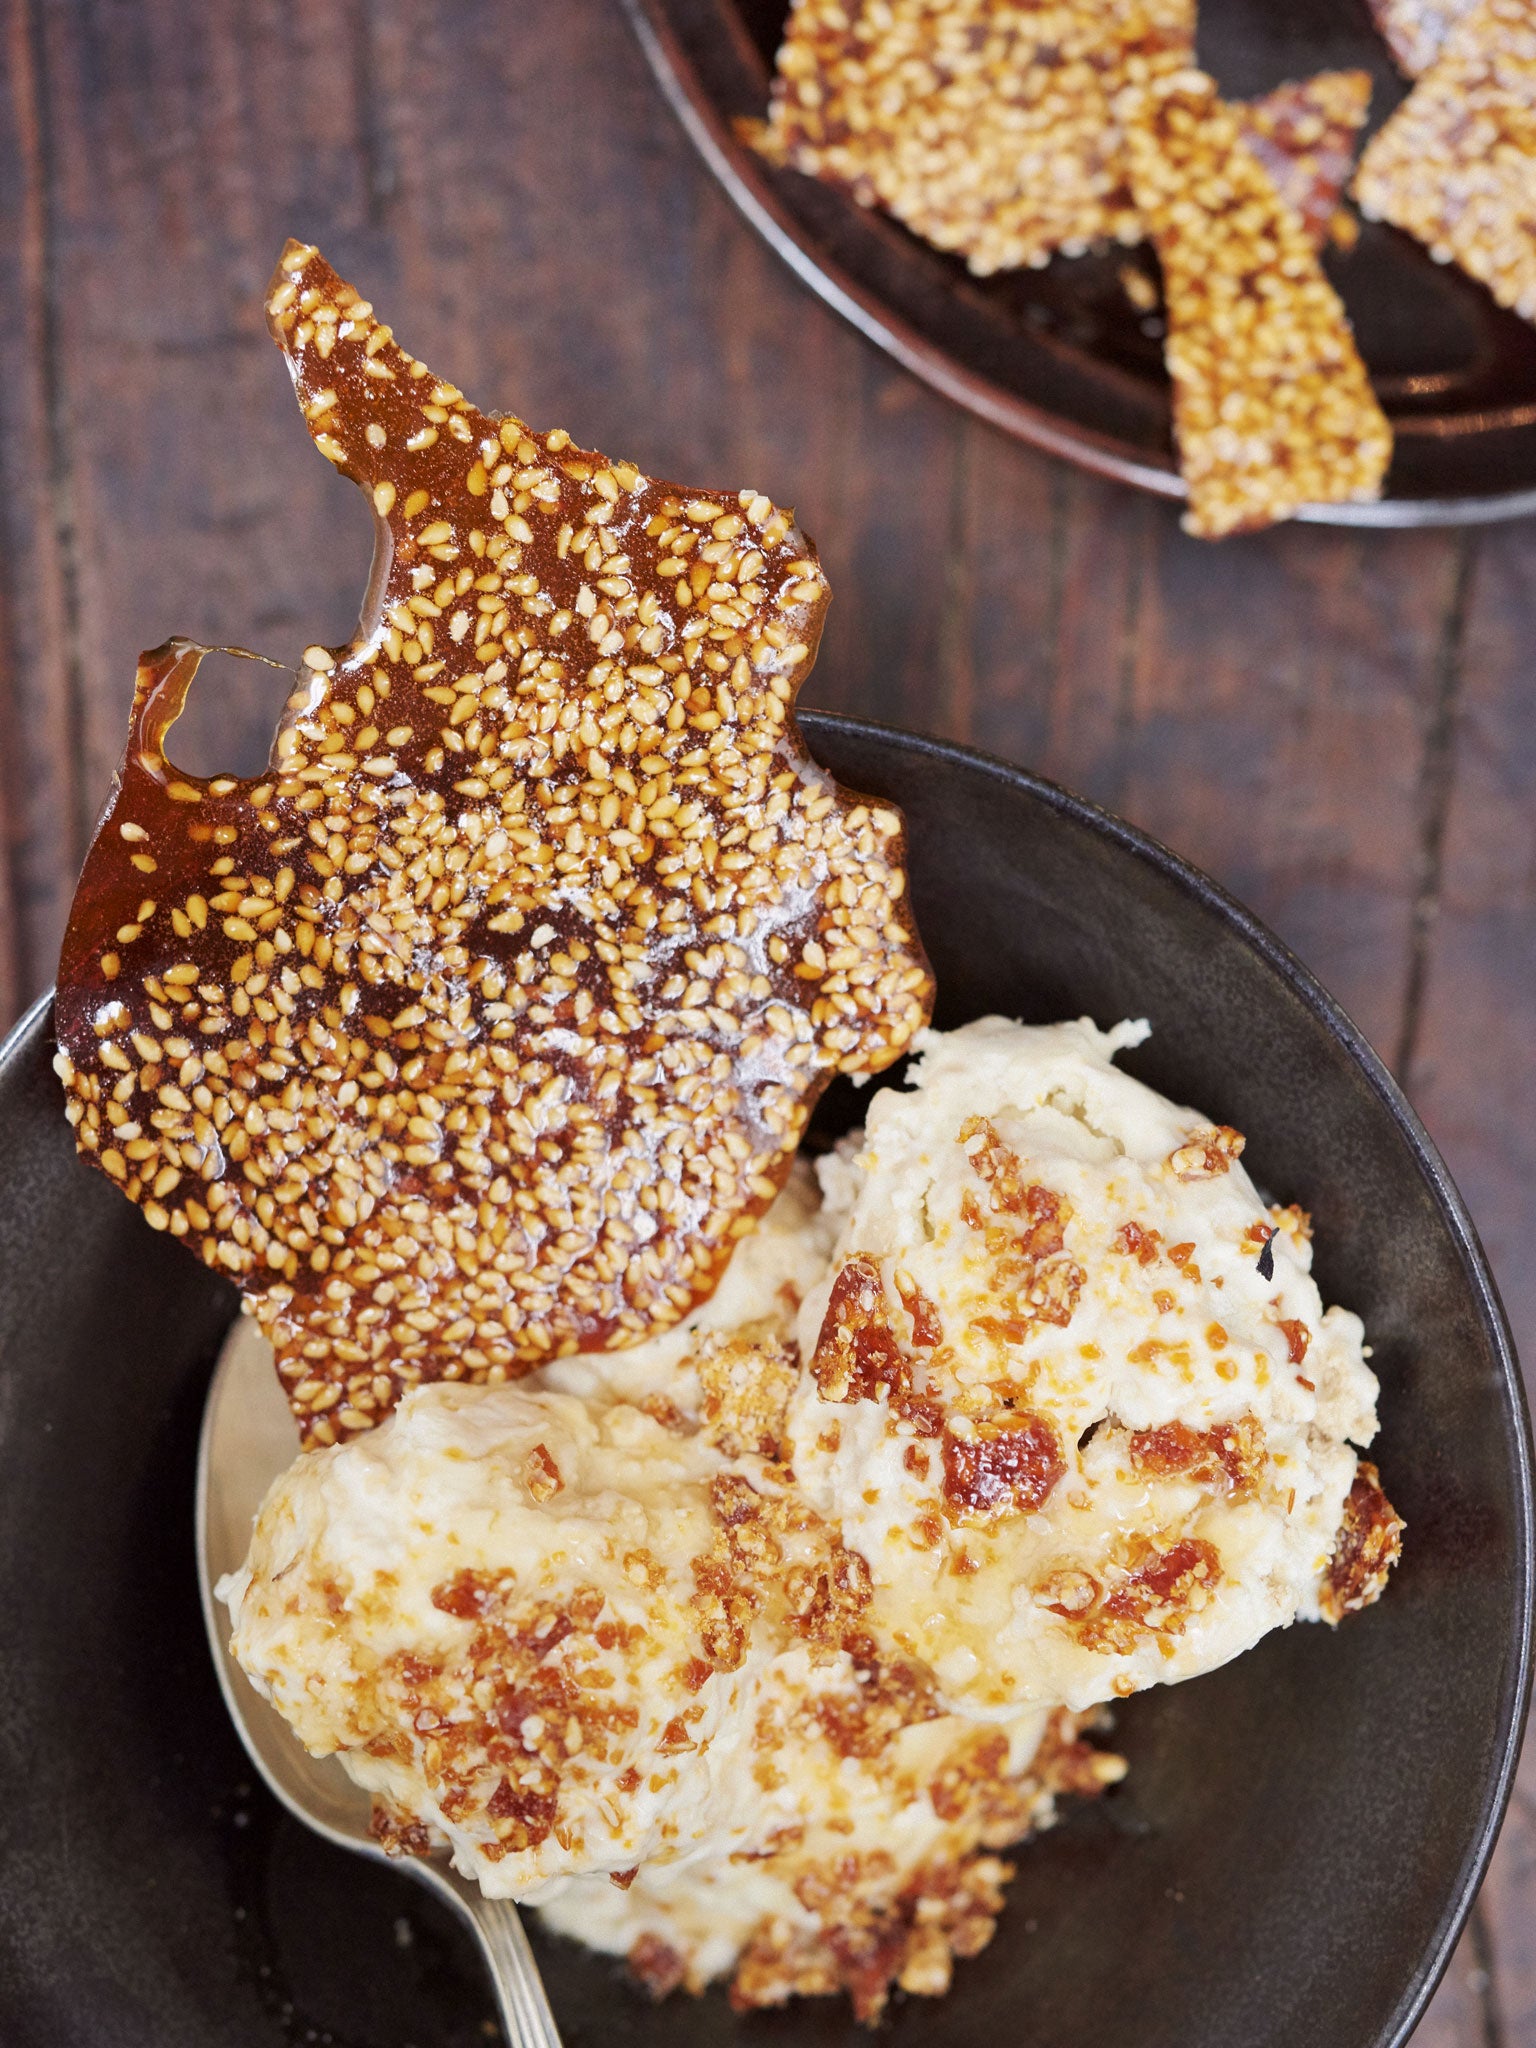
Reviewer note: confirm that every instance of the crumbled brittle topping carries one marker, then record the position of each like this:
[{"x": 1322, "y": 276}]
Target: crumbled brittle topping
[
  {"x": 857, "y": 1355},
  {"x": 1453, "y": 165},
  {"x": 501, "y": 1725},
  {"x": 1007, "y": 1463},
  {"x": 745, "y": 1385},
  {"x": 1138, "y": 1242},
  {"x": 1207, "y": 1153},
  {"x": 1304, "y": 135},
  {"x": 1153, "y": 1590},
  {"x": 1023, "y": 1228},
  {"x": 923, "y": 1312},
  {"x": 1230, "y": 1454},
  {"x": 1272, "y": 406},
  {"x": 880, "y": 1925},
  {"x": 1370, "y": 1541},
  {"x": 479, "y": 1028},
  {"x": 986, "y": 126},
  {"x": 731, "y": 1576},
  {"x": 889, "y": 1693},
  {"x": 998, "y": 1455}
]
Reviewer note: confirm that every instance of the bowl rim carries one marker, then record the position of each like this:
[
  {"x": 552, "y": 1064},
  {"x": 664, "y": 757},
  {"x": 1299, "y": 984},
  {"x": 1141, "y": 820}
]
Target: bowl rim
[
  {"x": 750, "y": 189},
  {"x": 22, "y": 1043}
]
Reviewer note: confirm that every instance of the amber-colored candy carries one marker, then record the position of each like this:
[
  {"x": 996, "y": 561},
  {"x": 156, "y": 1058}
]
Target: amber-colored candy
[
  {"x": 1455, "y": 166},
  {"x": 1415, "y": 30},
  {"x": 482, "y": 1025},
  {"x": 857, "y": 1357},
  {"x": 1273, "y": 408},
  {"x": 1230, "y": 1455},
  {"x": 1369, "y": 1543},
  {"x": 1011, "y": 1464},
  {"x": 989, "y": 128},
  {"x": 1304, "y": 135}
]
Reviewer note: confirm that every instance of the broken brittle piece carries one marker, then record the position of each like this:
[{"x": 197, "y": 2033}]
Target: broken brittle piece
[
  {"x": 1455, "y": 166},
  {"x": 1415, "y": 30},
  {"x": 1304, "y": 135},
  {"x": 987, "y": 127},
  {"x": 1273, "y": 409},
  {"x": 481, "y": 1026}
]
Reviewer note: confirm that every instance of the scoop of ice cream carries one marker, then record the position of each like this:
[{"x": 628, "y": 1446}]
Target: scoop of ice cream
[
  {"x": 876, "y": 1873},
  {"x": 482, "y": 1607},
  {"x": 777, "y": 1636},
  {"x": 569, "y": 1635},
  {"x": 1084, "y": 1440}
]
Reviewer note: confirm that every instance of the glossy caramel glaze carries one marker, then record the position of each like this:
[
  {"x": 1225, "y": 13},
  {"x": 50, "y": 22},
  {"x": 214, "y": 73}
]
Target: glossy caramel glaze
[{"x": 480, "y": 1027}]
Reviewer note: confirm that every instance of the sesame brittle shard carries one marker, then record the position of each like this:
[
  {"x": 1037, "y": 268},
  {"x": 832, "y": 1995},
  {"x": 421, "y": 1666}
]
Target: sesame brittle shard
[
  {"x": 1455, "y": 166},
  {"x": 1273, "y": 409},
  {"x": 1304, "y": 135},
  {"x": 985, "y": 126},
  {"x": 1415, "y": 30},
  {"x": 481, "y": 1026}
]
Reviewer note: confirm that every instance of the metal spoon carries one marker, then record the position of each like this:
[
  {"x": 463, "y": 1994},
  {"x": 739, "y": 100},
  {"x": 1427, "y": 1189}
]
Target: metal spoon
[{"x": 248, "y": 1438}]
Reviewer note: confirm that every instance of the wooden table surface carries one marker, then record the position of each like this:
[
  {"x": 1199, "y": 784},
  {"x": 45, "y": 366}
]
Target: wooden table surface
[{"x": 1337, "y": 725}]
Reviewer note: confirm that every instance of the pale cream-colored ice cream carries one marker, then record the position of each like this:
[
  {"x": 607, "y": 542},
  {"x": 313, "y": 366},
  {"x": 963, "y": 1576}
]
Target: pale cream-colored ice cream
[
  {"x": 486, "y": 1606},
  {"x": 879, "y": 1866},
  {"x": 738, "y": 1654},
  {"x": 1083, "y": 1443},
  {"x": 577, "y": 1644}
]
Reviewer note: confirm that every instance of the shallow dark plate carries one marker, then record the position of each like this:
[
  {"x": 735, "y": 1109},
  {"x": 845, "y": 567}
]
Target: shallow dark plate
[
  {"x": 1060, "y": 356},
  {"x": 1301, "y": 1833}
]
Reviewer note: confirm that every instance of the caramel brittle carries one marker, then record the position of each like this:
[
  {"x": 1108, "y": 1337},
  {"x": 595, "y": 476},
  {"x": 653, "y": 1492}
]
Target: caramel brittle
[
  {"x": 1273, "y": 409},
  {"x": 1415, "y": 30},
  {"x": 481, "y": 1026},
  {"x": 1304, "y": 135},
  {"x": 986, "y": 126},
  {"x": 1455, "y": 166}
]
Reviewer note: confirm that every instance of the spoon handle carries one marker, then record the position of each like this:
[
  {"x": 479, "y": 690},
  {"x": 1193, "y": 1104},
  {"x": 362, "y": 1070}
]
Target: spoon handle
[{"x": 524, "y": 2010}]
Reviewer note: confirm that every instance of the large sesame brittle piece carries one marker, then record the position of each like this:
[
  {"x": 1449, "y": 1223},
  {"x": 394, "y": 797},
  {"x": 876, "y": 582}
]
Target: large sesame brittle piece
[
  {"x": 482, "y": 1025},
  {"x": 1415, "y": 30},
  {"x": 1455, "y": 166},
  {"x": 1304, "y": 134},
  {"x": 986, "y": 126},
  {"x": 1273, "y": 409}
]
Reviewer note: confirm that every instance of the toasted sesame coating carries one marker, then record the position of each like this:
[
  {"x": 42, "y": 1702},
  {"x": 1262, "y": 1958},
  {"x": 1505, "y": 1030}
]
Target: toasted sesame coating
[
  {"x": 1304, "y": 135},
  {"x": 1455, "y": 166},
  {"x": 480, "y": 1027},
  {"x": 1272, "y": 406},
  {"x": 986, "y": 126},
  {"x": 1415, "y": 30}
]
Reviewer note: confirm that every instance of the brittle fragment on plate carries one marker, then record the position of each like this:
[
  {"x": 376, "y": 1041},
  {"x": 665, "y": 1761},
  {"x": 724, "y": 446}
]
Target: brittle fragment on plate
[
  {"x": 481, "y": 1026},
  {"x": 1272, "y": 406},
  {"x": 1415, "y": 30},
  {"x": 987, "y": 126},
  {"x": 1304, "y": 135},
  {"x": 1455, "y": 166}
]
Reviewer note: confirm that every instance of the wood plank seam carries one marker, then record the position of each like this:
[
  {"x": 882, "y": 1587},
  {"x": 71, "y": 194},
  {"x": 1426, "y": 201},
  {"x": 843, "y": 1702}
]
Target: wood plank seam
[
  {"x": 1486, "y": 1981},
  {"x": 380, "y": 171},
  {"x": 32, "y": 93},
  {"x": 1436, "y": 785}
]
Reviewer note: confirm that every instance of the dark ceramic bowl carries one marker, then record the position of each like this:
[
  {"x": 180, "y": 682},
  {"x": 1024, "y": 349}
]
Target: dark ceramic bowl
[
  {"x": 1301, "y": 1833},
  {"x": 1061, "y": 356}
]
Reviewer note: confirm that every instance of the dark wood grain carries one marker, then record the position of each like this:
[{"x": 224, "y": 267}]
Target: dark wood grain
[{"x": 1338, "y": 725}]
